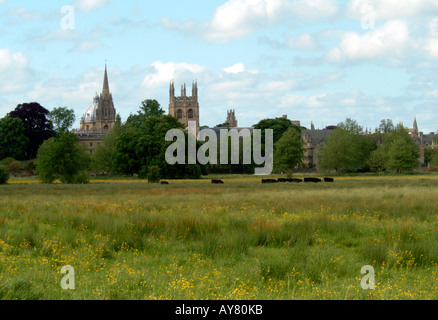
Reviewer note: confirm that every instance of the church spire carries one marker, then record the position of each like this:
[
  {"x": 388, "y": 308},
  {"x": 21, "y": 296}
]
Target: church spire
[
  {"x": 415, "y": 125},
  {"x": 105, "y": 90}
]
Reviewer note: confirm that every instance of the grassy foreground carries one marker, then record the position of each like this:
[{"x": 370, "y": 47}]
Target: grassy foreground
[{"x": 240, "y": 240}]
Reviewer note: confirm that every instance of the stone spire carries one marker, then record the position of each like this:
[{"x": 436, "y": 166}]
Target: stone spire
[
  {"x": 415, "y": 125},
  {"x": 105, "y": 90}
]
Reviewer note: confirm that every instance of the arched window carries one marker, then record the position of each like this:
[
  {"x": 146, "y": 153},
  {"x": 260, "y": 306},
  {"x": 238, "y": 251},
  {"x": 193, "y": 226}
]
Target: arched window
[
  {"x": 106, "y": 128},
  {"x": 179, "y": 114},
  {"x": 190, "y": 114}
]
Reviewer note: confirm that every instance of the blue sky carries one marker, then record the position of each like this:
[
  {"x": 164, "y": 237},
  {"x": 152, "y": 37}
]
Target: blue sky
[{"x": 313, "y": 60}]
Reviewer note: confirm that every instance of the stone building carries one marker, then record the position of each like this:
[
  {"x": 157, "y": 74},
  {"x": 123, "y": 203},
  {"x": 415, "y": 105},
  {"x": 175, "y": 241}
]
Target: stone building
[
  {"x": 312, "y": 141},
  {"x": 423, "y": 141},
  {"x": 231, "y": 119},
  {"x": 185, "y": 108},
  {"x": 99, "y": 119}
]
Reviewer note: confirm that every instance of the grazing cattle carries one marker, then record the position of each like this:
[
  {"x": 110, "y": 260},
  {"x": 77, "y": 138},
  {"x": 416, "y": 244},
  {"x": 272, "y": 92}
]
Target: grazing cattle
[
  {"x": 283, "y": 180},
  {"x": 329, "y": 180},
  {"x": 217, "y": 181},
  {"x": 312, "y": 180},
  {"x": 164, "y": 182},
  {"x": 269, "y": 181},
  {"x": 296, "y": 180}
]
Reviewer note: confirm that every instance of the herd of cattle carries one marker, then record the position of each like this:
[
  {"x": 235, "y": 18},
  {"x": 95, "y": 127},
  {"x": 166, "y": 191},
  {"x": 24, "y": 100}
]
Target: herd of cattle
[{"x": 295, "y": 180}]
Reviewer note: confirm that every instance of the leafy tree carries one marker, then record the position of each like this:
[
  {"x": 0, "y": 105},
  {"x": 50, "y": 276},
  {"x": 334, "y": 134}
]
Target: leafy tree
[
  {"x": 402, "y": 155},
  {"x": 153, "y": 174},
  {"x": 278, "y": 125},
  {"x": 351, "y": 126},
  {"x": 62, "y": 119},
  {"x": 347, "y": 149},
  {"x": 386, "y": 126},
  {"x": 37, "y": 127},
  {"x": 62, "y": 156},
  {"x": 4, "y": 175},
  {"x": 142, "y": 144},
  {"x": 13, "y": 141},
  {"x": 378, "y": 160},
  {"x": 102, "y": 159},
  {"x": 148, "y": 109},
  {"x": 288, "y": 150}
]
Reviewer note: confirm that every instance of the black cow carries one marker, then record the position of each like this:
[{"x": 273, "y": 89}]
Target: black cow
[
  {"x": 269, "y": 181},
  {"x": 164, "y": 182},
  {"x": 329, "y": 180},
  {"x": 296, "y": 180},
  {"x": 283, "y": 180},
  {"x": 312, "y": 180},
  {"x": 214, "y": 181}
]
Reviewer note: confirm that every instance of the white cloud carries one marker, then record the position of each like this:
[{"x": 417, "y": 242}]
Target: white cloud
[
  {"x": 392, "y": 9},
  {"x": 237, "y": 19},
  {"x": 14, "y": 68},
  {"x": 390, "y": 41},
  {"x": 90, "y": 5},
  {"x": 237, "y": 68},
  {"x": 166, "y": 72}
]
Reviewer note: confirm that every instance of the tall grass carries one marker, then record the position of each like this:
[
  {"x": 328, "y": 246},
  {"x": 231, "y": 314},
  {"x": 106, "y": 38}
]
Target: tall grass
[{"x": 240, "y": 240}]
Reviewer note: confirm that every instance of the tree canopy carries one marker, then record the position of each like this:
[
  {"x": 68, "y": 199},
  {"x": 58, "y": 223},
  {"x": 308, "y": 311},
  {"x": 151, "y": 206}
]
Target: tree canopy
[
  {"x": 62, "y": 157},
  {"x": 62, "y": 119},
  {"x": 288, "y": 152},
  {"x": 278, "y": 125},
  {"x": 37, "y": 126},
  {"x": 347, "y": 149},
  {"x": 13, "y": 140}
]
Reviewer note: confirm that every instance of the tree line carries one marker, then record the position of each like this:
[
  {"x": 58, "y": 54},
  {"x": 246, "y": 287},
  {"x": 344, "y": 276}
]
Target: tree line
[{"x": 42, "y": 140}]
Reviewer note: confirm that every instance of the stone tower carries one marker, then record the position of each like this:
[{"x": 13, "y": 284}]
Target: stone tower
[
  {"x": 231, "y": 119},
  {"x": 100, "y": 117},
  {"x": 185, "y": 108}
]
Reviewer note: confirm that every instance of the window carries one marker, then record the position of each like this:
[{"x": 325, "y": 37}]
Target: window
[
  {"x": 190, "y": 114},
  {"x": 91, "y": 144},
  {"x": 106, "y": 128},
  {"x": 179, "y": 114}
]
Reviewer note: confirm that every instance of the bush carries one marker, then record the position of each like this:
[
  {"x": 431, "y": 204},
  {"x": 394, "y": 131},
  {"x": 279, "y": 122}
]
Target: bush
[
  {"x": 4, "y": 175},
  {"x": 14, "y": 167},
  {"x": 153, "y": 174}
]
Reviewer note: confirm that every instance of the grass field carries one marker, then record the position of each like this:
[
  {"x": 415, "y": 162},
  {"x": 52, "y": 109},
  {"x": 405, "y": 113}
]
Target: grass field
[{"x": 127, "y": 239}]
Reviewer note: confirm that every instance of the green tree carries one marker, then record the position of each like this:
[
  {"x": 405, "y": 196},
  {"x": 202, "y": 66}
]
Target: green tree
[
  {"x": 386, "y": 126},
  {"x": 64, "y": 157},
  {"x": 102, "y": 159},
  {"x": 62, "y": 119},
  {"x": 347, "y": 149},
  {"x": 278, "y": 125},
  {"x": 4, "y": 175},
  {"x": 378, "y": 160},
  {"x": 37, "y": 127},
  {"x": 13, "y": 140},
  {"x": 288, "y": 151},
  {"x": 401, "y": 150},
  {"x": 148, "y": 109}
]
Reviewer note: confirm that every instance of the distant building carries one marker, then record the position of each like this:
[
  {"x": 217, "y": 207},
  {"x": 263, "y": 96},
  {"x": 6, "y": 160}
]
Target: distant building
[
  {"x": 312, "y": 142},
  {"x": 185, "y": 108},
  {"x": 231, "y": 119},
  {"x": 99, "y": 119},
  {"x": 423, "y": 141}
]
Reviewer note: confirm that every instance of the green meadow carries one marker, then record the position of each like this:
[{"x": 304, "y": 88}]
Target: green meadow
[{"x": 128, "y": 239}]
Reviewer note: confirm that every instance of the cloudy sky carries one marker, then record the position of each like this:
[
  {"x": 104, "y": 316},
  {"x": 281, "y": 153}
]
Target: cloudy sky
[{"x": 313, "y": 60}]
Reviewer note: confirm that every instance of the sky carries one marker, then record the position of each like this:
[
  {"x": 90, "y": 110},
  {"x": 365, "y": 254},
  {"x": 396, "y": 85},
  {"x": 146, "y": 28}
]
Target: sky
[{"x": 319, "y": 61}]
